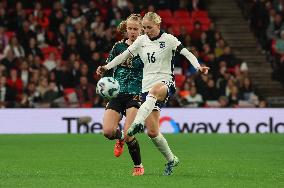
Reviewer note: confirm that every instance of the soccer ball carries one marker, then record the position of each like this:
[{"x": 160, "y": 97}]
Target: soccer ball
[{"x": 108, "y": 87}]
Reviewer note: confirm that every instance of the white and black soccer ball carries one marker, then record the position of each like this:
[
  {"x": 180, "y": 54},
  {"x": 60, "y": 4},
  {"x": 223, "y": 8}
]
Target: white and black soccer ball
[{"x": 108, "y": 87}]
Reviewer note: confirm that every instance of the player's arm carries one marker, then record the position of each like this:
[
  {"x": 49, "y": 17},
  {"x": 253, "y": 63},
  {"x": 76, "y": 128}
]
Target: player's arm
[
  {"x": 112, "y": 54},
  {"x": 187, "y": 54},
  {"x": 131, "y": 51},
  {"x": 116, "y": 61},
  {"x": 192, "y": 59}
]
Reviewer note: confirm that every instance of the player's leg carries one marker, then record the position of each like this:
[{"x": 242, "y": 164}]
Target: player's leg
[
  {"x": 111, "y": 131},
  {"x": 152, "y": 124},
  {"x": 157, "y": 93},
  {"x": 110, "y": 124},
  {"x": 132, "y": 143}
]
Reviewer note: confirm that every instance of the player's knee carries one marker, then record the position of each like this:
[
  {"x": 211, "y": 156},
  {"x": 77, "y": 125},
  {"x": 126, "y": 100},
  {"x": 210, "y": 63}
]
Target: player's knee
[
  {"x": 154, "y": 92},
  {"x": 152, "y": 133},
  {"x": 108, "y": 133},
  {"x": 159, "y": 92}
]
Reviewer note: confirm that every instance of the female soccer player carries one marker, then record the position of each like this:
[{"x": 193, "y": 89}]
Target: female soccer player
[
  {"x": 156, "y": 49},
  {"x": 129, "y": 75}
]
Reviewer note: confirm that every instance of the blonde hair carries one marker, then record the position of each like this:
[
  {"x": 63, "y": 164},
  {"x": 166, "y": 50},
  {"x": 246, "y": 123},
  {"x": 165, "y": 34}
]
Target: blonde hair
[
  {"x": 121, "y": 28},
  {"x": 154, "y": 17}
]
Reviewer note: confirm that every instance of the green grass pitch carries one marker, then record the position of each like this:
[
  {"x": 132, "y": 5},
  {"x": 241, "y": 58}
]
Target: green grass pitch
[{"x": 214, "y": 160}]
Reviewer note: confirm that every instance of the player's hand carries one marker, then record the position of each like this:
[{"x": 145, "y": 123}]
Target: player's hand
[
  {"x": 203, "y": 69},
  {"x": 101, "y": 70}
]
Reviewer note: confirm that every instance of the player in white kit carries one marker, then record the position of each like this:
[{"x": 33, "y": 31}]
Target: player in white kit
[{"x": 156, "y": 49}]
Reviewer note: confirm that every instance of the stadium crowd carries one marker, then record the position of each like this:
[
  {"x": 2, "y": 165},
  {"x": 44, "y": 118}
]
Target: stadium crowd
[
  {"x": 49, "y": 51},
  {"x": 266, "y": 21}
]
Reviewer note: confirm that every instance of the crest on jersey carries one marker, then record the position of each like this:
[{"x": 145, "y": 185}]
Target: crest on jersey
[{"x": 162, "y": 45}]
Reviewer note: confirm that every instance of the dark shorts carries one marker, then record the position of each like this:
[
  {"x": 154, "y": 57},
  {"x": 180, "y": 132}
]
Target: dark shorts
[
  {"x": 124, "y": 101},
  {"x": 159, "y": 104}
]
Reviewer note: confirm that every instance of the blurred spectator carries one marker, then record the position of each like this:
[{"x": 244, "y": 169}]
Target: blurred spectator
[
  {"x": 37, "y": 9},
  {"x": 10, "y": 60},
  {"x": 15, "y": 83},
  {"x": 247, "y": 89},
  {"x": 7, "y": 94},
  {"x": 84, "y": 71},
  {"x": 52, "y": 77},
  {"x": 220, "y": 45},
  {"x": 278, "y": 6},
  {"x": 211, "y": 35},
  {"x": 60, "y": 39},
  {"x": 117, "y": 19},
  {"x": 72, "y": 46},
  {"x": 275, "y": 27},
  {"x": 234, "y": 97},
  {"x": 24, "y": 72},
  {"x": 4, "y": 41},
  {"x": 17, "y": 48},
  {"x": 223, "y": 101},
  {"x": 65, "y": 76},
  {"x": 187, "y": 41},
  {"x": 92, "y": 12},
  {"x": 279, "y": 46},
  {"x": 32, "y": 97},
  {"x": 85, "y": 92},
  {"x": 75, "y": 16},
  {"x": 229, "y": 58},
  {"x": 194, "y": 99},
  {"x": 260, "y": 19},
  {"x": 4, "y": 21},
  {"x": 56, "y": 17},
  {"x": 17, "y": 17},
  {"x": 50, "y": 62},
  {"x": 33, "y": 49},
  {"x": 32, "y": 22},
  {"x": 201, "y": 84},
  {"x": 51, "y": 93},
  {"x": 94, "y": 62},
  {"x": 196, "y": 34},
  {"x": 212, "y": 63},
  {"x": 279, "y": 59},
  {"x": 41, "y": 37},
  {"x": 262, "y": 104},
  {"x": 90, "y": 48},
  {"x": 42, "y": 86},
  {"x": 227, "y": 90},
  {"x": 24, "y": 34},
  {"x": 212, "y": 92}
]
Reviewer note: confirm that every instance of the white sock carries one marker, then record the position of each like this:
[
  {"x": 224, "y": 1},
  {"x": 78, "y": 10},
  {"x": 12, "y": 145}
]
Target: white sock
[
  {"x": 145, "y": 109},
  {"x": 140, "y": 166},
  {"x": 162, "y": 145}
]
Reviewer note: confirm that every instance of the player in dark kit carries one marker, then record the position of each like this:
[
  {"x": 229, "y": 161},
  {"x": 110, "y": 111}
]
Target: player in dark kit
[{"x": 129, "y": 75}]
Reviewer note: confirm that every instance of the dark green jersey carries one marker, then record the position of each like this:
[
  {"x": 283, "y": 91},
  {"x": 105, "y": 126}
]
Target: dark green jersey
[{"x": 129, "y": 74}]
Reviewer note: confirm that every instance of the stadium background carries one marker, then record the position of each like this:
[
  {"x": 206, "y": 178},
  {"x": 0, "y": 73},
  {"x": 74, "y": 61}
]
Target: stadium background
[{"x": 47, "y": 47}]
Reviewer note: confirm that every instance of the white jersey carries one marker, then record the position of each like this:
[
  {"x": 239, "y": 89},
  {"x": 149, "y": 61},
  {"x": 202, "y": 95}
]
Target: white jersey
[{"x": 157, "y": 55}]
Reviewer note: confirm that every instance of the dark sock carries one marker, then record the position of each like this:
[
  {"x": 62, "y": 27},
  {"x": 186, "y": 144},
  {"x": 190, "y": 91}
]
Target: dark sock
[
  {"x": 117, "y": 135},
  {"x": 134, "y": 151}
]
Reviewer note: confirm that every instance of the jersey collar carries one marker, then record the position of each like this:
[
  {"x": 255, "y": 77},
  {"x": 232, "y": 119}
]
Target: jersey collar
[{"x": 155, "y": 38}]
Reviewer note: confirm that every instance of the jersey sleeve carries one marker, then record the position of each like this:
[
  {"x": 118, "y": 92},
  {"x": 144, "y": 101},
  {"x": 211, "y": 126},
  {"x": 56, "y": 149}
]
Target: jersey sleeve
[
  {"x": 136, "y": 45},
  {"x": 112, "y": 54},
  {"x": 174, "y": 41}
]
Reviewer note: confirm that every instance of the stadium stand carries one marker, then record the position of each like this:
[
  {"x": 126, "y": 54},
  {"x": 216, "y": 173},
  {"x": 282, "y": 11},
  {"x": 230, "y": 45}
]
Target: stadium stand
[
  {"x": 75, "y": 37},
  {"x": 266, "y": 23}
]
